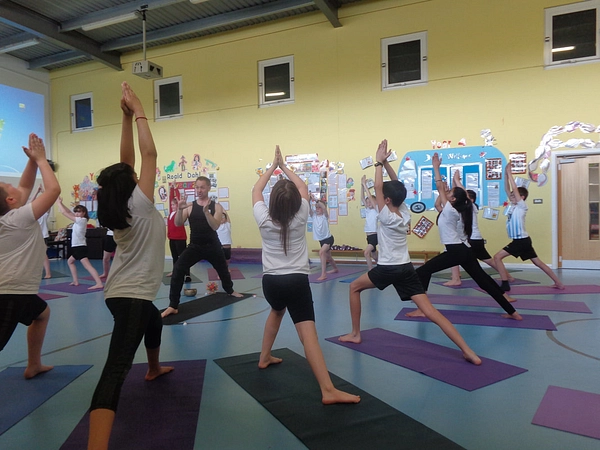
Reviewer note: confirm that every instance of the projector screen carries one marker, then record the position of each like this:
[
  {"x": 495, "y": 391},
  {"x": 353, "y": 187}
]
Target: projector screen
[{"x": 21, "y": 113}]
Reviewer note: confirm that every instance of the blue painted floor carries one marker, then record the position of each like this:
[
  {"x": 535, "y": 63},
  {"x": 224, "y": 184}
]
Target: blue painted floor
[{"x": 494, "y": 417}]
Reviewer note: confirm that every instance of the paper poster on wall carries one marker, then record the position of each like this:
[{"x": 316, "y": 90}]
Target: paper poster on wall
[
  {"x": 333, "y": 216},
  {"x": 490, "y": 213},
  {"x": 333, "y": 201},
  {"x": 343, "y": 209},
  {"x": 471, "y": 181},
  {"x": 493, "y": 169},
  {"x": 225, "y": 205},
  {"x": 224, "y": 192},
  {"x": 493, "y": 194},
  {"x": 426, "y": 184},
  {"x": 342, "y": 181},
  {"x": 422, "y": 227},
  {"x": 518, "y": 162}
]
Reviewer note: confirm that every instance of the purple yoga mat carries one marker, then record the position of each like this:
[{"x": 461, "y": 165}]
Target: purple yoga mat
[
  {"x": 570, "y": 410},
  {"x": 343, "y": 272},
  {"x": 547, "y": 290},
  {"x": 235, "y": 273},
  {"x": 530, "y": 321},
  {"x": 153, "y": 414},
  {"x": 436, "y": 361},
  {"x": 66, "y": 287},
  {"x": 45, "y": 296},
  {"x": 470, "y": 283},
  {"x": 541, "y": 305}
]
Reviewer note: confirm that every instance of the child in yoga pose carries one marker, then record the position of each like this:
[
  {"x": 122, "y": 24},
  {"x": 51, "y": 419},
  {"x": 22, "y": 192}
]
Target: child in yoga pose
[
  {"x": 394, "y": 266},
  {"x": 321, "y": 233},
  {"x": 371, "y": 212},
  {"x": 282, "y": 227}
]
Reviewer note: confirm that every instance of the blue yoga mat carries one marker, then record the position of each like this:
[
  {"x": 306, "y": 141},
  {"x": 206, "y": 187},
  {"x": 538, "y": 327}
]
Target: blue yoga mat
[
  {"x": 159, "y": 414},
  {"x": 20, "y": 397}
]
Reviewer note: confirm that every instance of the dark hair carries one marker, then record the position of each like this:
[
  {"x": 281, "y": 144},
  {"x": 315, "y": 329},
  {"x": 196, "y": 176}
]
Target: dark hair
[
  {"x": 523, "y": 192},
  {"x": 284, "y": 203},
  {"x": 205, "y": 179},
  {"x": 115, "y": 186},
  {"x": 3, "y": 205},
  {"x": 464, "y": 206},
  {"x": 83, "y": 209},
  {"x": 472, "y": 196},
  {"x": 395, "y": 191}
]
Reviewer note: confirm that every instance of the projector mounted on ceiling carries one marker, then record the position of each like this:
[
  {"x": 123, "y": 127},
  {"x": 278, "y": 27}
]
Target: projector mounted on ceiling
[{"x": 146, "y": 69}]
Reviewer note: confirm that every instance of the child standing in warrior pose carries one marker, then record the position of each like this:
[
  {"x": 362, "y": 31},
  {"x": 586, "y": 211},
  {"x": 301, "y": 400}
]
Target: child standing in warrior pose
[
  {"x": 394, "y": 266},
  {"x": 521, "y": 245},
  {"x": 43, "y": 221},
  {"x": 285, "y": 284},
  {"x": 371, "y": 212},
  {"x": 79, "y": 250},
  {"x": 126, "y": 205},
  {"x": 321, "y": 233},
  {"x": 177, "y": 238},
  {"x": 22, "y": 250},
  {"x": 455, "y": 224},
  {"x": 224, "y": 233}
]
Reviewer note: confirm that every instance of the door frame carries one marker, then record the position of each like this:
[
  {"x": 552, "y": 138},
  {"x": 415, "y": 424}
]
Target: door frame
[{"x": 554, "y": 155}]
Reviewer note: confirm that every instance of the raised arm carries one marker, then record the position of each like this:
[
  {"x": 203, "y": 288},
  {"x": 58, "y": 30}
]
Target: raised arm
[
  {"x": 381, "y": 155},
  {"x": 436, "y": 161},
  {"x": 509, "y": 182},
  {"x": 386, "y": 164},
  {"x": 259, "y": 186},
  {"x": 456, "y": 181},
  {"x": 37, "y": 156},
  {"x": 64, "y": 210},
  {"x": 364, "y": 190}
]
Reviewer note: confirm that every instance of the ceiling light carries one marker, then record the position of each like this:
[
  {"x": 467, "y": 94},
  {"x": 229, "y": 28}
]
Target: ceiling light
[
  {"x": 274, "y": 94},
  {"x": 19, "y": 45},
  {"x": 109, "y": 21},
  {"x": 563, "y": 49}
]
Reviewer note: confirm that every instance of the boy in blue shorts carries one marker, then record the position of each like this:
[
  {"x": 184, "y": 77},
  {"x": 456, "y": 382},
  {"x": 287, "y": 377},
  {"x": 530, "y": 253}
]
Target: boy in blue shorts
[
  {"x": 521, "y": 246},
  {"x": 394, "y": 266}
]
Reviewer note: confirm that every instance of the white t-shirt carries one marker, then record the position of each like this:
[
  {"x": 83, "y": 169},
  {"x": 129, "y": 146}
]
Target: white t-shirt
[
  {"x": 224, "y": 233},
  {"x": 371, "y": 220},
  {"x": 22, "y": 250},
  {"x": 275, "y": 262},
  {"x": 450, "y": 224},
  {"x": 515, "y": 225},
  {"x": 476, "y": 233},
  {"x": 43, "y": 221},
  {"x": 391, "y": 236},
  {"x": 137, "y": 268},
  {"x": 79, "y": 229},
  {"x": 320, "y": 227}
]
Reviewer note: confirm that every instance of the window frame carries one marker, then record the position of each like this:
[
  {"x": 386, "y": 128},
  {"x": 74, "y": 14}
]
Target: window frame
[
  {"x": 74, "y": 99},
  {"x": 550, "y": 13},
  {"x": 262, "y": 102},
  {"x": 157, "y": 84},
  {"x": 420, "y": 36}
]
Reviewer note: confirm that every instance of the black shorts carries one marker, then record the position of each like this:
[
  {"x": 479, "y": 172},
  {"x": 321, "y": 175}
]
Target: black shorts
[
  {"x": 478, "y": 247},
  {"x": 521, "y": 248},
  {"x": 79, "y": 252},
  {"x": 15, "y": 309},
  {"x": 329, "y": 241},
  {"x": 227, "y": 253},
  {"x": 372, "y": 240},
  {"x": 403, "y": 277},
  {"x": 108, "y": 243},
  {"x": 292, "y": 292}
]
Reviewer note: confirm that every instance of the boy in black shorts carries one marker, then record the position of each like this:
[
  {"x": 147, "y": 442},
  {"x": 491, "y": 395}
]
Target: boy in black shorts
[{"x": 394, "y": 266}]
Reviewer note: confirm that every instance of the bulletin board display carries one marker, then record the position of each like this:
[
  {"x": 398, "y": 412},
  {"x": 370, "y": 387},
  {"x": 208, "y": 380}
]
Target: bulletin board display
[{"x": 480, "y": 169}]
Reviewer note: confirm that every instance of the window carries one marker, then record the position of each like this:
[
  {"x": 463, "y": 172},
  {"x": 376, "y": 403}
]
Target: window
[
  {"x": 168, "y": 98},
  {"x": 404, "y": 61},
  {"x": 571, "y": 34},
  {"x": 276, "y": 81},
  {"x": 82, "y": 112}
]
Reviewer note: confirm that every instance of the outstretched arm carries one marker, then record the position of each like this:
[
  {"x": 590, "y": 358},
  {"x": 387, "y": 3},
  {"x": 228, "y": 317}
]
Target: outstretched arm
[
  {"x": 381, "y": 155},
  {"x": 37, "y": 156},
  {"x": 64, "y": 210},
  {"x": 456, "y": 181},
  {"x": 509, "y": 182},
  {"x": 259, "y": 186}
]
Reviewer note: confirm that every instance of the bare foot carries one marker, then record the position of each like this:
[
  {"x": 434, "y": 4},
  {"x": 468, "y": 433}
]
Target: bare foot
[
  {"x": 471, "y": 357},
  {"x": 558, "y": 286},
  {"x": 453, "y": 283},
  {"x": 236, "y": 294},
  {"x": 511, "y": 279},
  {"x": 263, "y": 364},
  {"x": 514, "y": 316},
  {"x": 337, "y": 396},
  {"x": 170, "y": 274},
  {"x": 32, "y": 371},
  {"x": 351, "y": 337},
  {"x": 509, "y": 298},
  {"x": 333, "y": 271},
  {"x": 74, "y": 283},
  {"x": 322, "y": 277},
  {"x": 167, "y": 312},
  {"x": 102, "y": 276},
  {"x": 96, "y": 286},
  {"x": 416, "y": 313},
  {"x": 47, "y": 276},
  {"x": 154, "y": 374}
]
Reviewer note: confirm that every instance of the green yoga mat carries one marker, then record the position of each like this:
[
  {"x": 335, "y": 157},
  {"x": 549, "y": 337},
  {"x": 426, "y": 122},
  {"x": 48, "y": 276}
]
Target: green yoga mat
[{"x": 291, "y": 394}]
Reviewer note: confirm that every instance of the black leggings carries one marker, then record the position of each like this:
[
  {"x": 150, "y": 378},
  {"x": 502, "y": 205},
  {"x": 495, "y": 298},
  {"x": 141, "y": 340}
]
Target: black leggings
[
  {"x": 460, "y": 254},
  {"x": 177, "y": 246},
  {"x": 134, "y": 319}
]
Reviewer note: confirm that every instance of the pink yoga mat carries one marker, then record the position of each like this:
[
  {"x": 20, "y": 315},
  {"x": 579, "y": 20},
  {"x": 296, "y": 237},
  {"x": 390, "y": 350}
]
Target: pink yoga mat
[
  {"x": 570, "y": 410},
  {"x": 45, "y": 296}
]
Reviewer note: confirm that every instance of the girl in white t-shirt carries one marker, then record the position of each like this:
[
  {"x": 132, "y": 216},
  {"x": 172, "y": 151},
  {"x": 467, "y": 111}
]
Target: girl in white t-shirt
[
  {"x": 371, "y": 212},
  {"x": 320, "y": 218},
  {"x": 224, "y": 233},
  {"x": 282, "y": 227},
  {"x": 79, "y": 250}
]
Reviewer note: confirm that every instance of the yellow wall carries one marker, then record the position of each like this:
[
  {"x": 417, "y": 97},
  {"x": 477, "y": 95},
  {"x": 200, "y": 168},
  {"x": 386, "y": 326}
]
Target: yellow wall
[{"x": 485, "y": 71}]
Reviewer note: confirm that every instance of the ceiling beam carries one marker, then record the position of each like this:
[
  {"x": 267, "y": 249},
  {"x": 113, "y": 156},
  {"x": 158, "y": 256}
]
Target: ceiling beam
[
  {"x": 330, "y": 11},
  {"x": 208, "y": 23},
  {"x": 57, "y": 58},
  {"x": 48, "y": 30}
]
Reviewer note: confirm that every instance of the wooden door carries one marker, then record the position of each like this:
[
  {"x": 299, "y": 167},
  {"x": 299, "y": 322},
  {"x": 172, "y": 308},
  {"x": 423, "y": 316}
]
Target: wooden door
[{"x": 578, "y": 204}]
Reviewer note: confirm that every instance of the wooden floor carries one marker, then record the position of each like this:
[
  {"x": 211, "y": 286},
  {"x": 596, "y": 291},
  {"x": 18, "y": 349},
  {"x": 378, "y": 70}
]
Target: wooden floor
[{"x": 495, "y": 417}]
